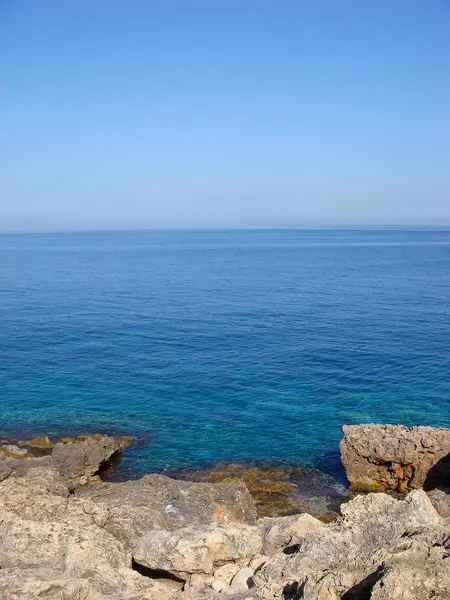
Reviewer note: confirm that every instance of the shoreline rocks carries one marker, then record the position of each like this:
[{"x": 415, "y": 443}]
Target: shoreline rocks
[
  {"x": 65, "y": 534},
  {"x": 395, "y": 457}
]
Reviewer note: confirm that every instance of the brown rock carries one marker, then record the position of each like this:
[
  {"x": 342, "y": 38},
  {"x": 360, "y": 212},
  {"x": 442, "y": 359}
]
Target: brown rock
[
  {"x": 79, "y": 458},
  {"x": 41, "y": 441},
  {"x": 395, "y": 457},
  {"x": 441, "y": 502}
]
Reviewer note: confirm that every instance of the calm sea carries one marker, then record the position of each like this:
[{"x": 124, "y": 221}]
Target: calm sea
[{"x": 214, "y": 345}]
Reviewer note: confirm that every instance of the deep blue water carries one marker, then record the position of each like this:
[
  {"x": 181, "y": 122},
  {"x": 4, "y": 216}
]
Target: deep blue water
[{"x": 214, "y": 345}]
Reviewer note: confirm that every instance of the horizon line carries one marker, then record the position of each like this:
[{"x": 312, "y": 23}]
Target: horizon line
[{"x": 267, "y": 227}]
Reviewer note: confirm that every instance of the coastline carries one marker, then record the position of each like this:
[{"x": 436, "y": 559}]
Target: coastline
[{"x": 203, "y": 536}]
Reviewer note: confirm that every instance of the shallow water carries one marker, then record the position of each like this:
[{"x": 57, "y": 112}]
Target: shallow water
[{"x": 213, "y": 345}]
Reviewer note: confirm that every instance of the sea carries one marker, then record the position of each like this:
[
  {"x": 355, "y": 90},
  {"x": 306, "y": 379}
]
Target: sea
[{"x": 233, "y": 345}]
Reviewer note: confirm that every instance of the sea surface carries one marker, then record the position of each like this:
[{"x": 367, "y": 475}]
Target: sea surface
[{"x": 224, "y": 345}]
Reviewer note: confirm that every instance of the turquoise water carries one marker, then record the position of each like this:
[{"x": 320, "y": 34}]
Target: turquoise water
[{"x": 210, "y": 345}]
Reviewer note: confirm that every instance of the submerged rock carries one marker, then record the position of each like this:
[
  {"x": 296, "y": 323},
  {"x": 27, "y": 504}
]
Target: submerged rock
[
  {"x": 395, "y": 457},
  {"x": 42, "y": 442},
  {"x": 278, "y": 488},
  {"x": 79, "y": 458}
]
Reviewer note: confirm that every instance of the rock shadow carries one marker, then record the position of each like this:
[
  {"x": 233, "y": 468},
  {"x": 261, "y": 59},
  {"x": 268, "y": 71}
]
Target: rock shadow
[{"x": 439, "y": 475}]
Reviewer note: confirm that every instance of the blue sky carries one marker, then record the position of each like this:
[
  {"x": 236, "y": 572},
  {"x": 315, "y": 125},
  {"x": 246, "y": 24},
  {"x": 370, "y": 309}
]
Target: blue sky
[{"x": 224, "y": 112}]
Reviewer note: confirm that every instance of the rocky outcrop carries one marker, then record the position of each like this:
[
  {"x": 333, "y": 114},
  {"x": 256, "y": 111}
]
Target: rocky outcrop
[
  {"x": 394, "y": 457},
  {"x": 54, "y": 544},
  {"x": 79, "y": 458},
  {"x": 157, "y": 502},
  {"x": 378, "y": 547}
]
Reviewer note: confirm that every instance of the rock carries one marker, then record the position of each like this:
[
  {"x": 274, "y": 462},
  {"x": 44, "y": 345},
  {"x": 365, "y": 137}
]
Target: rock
[
  {"x": 196, "y": 549},
  {"x": 41, "y": 495},
  {"x": 242, "y": 581},
  {"x": 79, "y": 458},
  {"x": 226, "y": 572},
  {"x": 42, "y": 442},
  {"x": 258, "y": 561},
  {"x": 347, "y": 558},
  {"x": 18, "y": 466},
  {"x": 13, "y": 451},
  {"x": 280, "y": 532},
  {"x": 395, "y": 457},
  {"x": 198, "y": 582},
  {"x": 441, "y": 502},
  {"x": 157, "y": 502}
]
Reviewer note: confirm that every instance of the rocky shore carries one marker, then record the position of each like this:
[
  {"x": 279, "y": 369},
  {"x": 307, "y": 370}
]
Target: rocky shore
[{"x": 67, "y": 535}]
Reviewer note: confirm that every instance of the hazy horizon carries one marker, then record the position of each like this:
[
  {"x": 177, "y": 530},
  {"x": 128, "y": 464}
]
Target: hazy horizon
[{"x": 224, "y": 115}]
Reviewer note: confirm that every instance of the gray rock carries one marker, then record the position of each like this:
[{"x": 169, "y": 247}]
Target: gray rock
[
  {"x": 157, "y": 502},
  {"x": 197, "y": 549},
  {"x": 280, "y": 532},
  {"x": 395, "y": 457},
  {"x": 13, "y": 467},
  {"x": 79, "y": 458}
]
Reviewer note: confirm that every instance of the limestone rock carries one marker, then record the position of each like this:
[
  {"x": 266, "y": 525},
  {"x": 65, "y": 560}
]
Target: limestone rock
[
  {"x": 280, "y": 532},
  {"x": 395, "y": 457},
  {"x": 157, "y": 502},
  {"x": 197, "y": 549},
  {"x": 78, "y": 458},
  {"x": 226, "y": 572},
  {"x": 242, "y": 581}
]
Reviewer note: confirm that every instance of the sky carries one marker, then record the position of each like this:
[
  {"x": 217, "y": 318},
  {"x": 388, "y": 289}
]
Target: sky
[{"x": 192, "y": 113}]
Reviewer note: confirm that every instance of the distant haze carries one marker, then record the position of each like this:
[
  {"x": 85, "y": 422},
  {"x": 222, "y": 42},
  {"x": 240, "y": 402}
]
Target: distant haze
[{"x": 192, "y": 113}]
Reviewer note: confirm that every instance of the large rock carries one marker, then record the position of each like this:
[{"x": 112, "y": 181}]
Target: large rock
[
  {"x": 79, "y": 458},
  {"x": 395, "y": 457},
  {"x": 375, "y": 536},
  {"x": 53, "y": 544},
  {"x": 157, "y": 502},
  {"x": 197, "y": 549}
]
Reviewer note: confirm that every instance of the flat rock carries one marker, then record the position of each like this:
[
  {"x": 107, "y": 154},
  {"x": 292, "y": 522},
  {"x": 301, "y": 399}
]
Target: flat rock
[
  {"x": 79, "y": 458},
  {"x": 15, "y": 467},
  {"x": 395, "y": 457},
  {"x": 157, "y": 502},
  {"x": 197, "y": 549}
]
